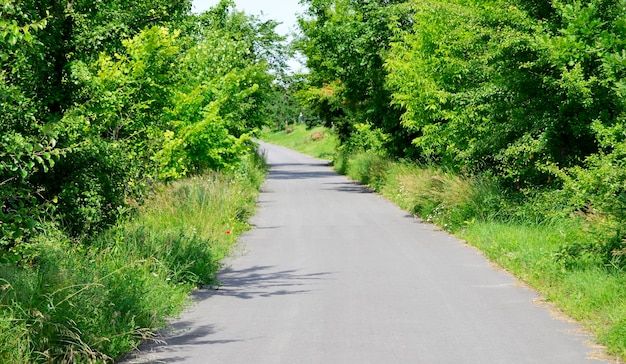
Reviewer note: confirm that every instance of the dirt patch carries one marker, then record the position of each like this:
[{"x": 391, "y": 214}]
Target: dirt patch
[{"x": 318, "y": 135}]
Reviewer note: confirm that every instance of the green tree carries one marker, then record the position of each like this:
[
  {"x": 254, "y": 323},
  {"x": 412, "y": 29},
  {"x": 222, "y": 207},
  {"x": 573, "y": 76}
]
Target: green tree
[
  {"x": 487, "y": 86},
  {"x": 26, "y": 146},
  {"x": 113, "y": 96},
  {"x": 345, "y": 43}
]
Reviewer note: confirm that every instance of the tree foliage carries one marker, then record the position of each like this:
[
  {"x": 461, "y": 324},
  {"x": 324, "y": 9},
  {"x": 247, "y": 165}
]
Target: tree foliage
[
  {"x": 99, "y": 100},
  {"x": 346, "y": 42},
  {"x": 488, "y": 86},
  {"x": 530, "y": 93}
]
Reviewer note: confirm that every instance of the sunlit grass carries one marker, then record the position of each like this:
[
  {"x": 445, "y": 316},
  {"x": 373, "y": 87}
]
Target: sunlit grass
[
  {"x": 318, "y": 142},
  {"x": 94, "y": 301},
  {"x": 532, "y": 243}
]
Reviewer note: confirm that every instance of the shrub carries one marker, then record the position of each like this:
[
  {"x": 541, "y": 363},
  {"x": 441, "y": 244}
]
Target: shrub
[{"x": 94, "y": 302}]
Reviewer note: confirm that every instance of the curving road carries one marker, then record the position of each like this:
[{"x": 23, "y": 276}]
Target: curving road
[{"x": 335, "y": 274}]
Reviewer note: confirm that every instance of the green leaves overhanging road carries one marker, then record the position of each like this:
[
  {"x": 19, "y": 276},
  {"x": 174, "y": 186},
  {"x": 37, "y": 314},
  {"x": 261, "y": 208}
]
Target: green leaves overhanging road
[
  {"x": 527, "y": 94},
  {"x": 101, "y": 100}
]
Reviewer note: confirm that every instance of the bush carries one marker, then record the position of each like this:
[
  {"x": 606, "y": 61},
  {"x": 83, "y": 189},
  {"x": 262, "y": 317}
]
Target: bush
[
  {"x": 369, "y": 168},
  {"x": 94, "y": 302}
]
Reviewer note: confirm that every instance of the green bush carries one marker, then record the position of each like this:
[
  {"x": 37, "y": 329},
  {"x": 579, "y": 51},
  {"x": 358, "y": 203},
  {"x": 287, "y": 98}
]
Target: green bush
[
  {"x": 369, "y": 168},
  {"x": 94, "y": 302},
  {"x": 86, "y": 134}
]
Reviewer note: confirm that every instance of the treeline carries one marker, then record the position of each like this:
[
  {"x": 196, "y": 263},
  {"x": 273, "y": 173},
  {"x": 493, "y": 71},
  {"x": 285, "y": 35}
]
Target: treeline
[
  {"x": 529, "y": 93},
  {"x": 101, "y": 100},
  {"x": 126, "y": 165}
]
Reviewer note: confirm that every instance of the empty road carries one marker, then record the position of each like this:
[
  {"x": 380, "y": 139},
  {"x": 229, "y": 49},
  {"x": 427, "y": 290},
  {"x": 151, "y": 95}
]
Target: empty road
[{"x": 332, "y": 273}]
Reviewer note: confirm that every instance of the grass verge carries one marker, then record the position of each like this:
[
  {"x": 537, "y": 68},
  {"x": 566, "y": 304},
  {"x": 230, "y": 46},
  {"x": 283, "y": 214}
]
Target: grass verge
[
  {"x": 551, "y": 249},
  {"x": 318, "y": 142},
  {"x": 85, "y": 302},
  {"x": 544, "y": 247}
]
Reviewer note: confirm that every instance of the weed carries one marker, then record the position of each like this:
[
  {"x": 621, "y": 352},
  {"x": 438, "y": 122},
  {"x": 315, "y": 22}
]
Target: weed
[{"x": 95, "y": 301}]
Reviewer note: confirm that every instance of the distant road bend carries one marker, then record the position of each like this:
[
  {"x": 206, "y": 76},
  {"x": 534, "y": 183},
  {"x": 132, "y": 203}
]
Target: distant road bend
[{"x": 332, "y": 273}]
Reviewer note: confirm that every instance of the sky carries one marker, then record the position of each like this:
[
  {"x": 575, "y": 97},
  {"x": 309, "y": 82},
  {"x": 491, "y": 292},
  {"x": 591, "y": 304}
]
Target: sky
[{"x": 284, "y": 11}]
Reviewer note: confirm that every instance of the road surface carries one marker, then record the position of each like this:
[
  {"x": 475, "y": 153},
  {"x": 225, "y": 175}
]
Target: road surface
[{"x": 332, "y": 273}]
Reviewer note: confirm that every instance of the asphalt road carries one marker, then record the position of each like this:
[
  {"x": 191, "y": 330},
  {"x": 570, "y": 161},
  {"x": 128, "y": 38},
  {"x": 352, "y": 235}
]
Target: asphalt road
[{"x": 335, "y": 274}]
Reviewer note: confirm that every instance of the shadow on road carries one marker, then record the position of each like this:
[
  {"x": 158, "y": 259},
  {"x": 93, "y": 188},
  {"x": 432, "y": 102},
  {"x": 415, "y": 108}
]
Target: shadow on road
[
  {"x": 262, "y": 281},
  {"x": 287, "y": 174},
  {"x": 353, "y": 187},
  {"x": 178, "y": 334},
  {"x": 253, "y": 282}
]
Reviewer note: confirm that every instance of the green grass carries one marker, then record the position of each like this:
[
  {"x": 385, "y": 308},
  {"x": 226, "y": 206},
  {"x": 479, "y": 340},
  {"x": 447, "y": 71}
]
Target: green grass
[
  {"x": 318, "y": 142},
  {"x": 554, "y": 251},
  {"x": 94, "y": 301},
  {"x": 593, "y": 295}
]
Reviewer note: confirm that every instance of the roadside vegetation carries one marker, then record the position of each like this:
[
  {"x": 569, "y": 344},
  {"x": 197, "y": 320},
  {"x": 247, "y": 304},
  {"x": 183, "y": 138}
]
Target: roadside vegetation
[
  {"x": 318, "y": 141},
  {"x": 501, "y": 121},
  {"x": 97, "y": 301},
  {"x": 127, "y": 169}
]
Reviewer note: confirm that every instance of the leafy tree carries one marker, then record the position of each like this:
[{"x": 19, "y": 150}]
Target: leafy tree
[
  {"x": 243, "y": 50},
  {"x": 488, "y": 87},
  {"x": 460, "y": 77},
  {"x": 26, "y": 146},
  {"x": 112, "y": 97},
  {"x": 346, "y": 42}
]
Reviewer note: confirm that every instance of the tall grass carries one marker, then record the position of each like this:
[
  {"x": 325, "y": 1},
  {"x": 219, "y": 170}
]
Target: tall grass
[
  {"x": 560, "y": 253},
  {"x": 94, "y": 301}
]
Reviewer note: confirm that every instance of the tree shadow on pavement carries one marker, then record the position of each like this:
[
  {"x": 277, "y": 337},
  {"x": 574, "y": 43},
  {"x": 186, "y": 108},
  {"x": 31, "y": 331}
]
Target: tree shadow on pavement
[
  {"x": 263, "y": 281},
  {"x": 353, "y": 187},
  {"x": 248, "y": 283},
  {"x": 178, "y": 334},
  {"x": 288, "y": 174}
]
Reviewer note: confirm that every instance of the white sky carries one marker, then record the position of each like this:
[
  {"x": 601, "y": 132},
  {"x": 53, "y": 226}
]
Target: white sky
[{"x": 284, "y": 11}]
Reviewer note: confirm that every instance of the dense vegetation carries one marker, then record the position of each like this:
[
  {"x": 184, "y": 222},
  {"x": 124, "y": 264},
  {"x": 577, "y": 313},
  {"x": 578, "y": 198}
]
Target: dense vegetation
[
  {"x": 96, "y": 302},
  {"x": 99, "y": 101},
  {"x": 109, "y": 113},
  {"x": 514, "y": 109},
  {"x": 501, "y": 120},
  {"x": 529, "y": 94}
]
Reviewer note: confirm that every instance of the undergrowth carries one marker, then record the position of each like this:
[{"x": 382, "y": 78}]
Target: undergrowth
[
  {"x": 574, "y": 258},
  {"x": 95, "y": 300}
]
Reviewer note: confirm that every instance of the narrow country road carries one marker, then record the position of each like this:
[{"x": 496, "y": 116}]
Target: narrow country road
[{"x": 334, "y": 274}]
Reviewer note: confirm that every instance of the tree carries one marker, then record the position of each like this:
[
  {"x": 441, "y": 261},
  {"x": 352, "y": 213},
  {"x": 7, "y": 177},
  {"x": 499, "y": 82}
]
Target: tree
[
  {"x": 488, "y": 87},
  {"x": 346, "y": 42},
  {"x": 114, "y": 96}
]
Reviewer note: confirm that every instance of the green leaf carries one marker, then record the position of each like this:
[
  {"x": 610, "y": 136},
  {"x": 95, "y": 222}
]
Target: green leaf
[{"x": 12, "y": 39}]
